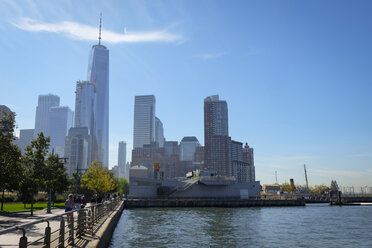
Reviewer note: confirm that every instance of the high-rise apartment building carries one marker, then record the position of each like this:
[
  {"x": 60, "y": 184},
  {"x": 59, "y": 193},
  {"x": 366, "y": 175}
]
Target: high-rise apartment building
[
  {"x": 248, "y": 157},
  {"x": 25, "y": 138},
  {"x": 122, "y": 157},
  {"x": 159, "y": 132},
  {"x": 45, "y": 102},
  {"x": 98, "y": 74},
  {"x": 144, "y": 121},
  {"x": 217, "y": 156},
  {"x": 188, "y": 147},
  {"x": 60, "y": 120}
]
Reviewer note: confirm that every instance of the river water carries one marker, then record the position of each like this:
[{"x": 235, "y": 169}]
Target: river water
[{"x": 316, "y": 225}]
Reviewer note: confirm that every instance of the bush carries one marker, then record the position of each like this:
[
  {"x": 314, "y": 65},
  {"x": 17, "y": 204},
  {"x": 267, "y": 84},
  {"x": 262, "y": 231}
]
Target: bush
[
  {"x": 10, "y": 198},
  {"x": 60, "y": 198}
]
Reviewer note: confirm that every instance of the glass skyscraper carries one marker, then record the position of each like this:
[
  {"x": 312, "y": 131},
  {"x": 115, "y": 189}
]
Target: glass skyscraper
[
  {"x": 144, "y": 120},
  {"x": 60, "y": 120},
  {"x": 98, "y": 74},
  {"x": 122, "y": 159},
  {"x": 45, "y": 102}
]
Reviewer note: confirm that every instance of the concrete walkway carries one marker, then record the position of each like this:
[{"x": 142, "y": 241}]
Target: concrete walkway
[{"x": 33, "y": 232}]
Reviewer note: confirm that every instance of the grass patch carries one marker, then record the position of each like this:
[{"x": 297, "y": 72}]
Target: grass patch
[{"x": 13, "y": 207}]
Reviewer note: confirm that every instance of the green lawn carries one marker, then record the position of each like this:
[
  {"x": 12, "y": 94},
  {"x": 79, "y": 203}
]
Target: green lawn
[{"x": 12, "y": 207}]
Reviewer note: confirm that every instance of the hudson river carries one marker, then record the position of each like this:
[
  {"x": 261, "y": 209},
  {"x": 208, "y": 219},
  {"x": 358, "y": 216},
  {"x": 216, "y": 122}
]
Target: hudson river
[{"x": 316, "y": 225}]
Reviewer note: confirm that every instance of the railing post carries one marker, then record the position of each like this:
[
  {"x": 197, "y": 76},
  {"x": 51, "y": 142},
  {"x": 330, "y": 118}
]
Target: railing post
[
  {"x": 47, "y": 235},
  {"x": 62, "y": 233},
  {"x": 80, "y": 222},
  {"x": 71, "y": 231},
  {"x": 23, "y": 239}
]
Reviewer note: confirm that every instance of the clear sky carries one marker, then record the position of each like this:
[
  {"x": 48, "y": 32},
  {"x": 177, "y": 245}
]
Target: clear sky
[{"x": 297, "y": 75}]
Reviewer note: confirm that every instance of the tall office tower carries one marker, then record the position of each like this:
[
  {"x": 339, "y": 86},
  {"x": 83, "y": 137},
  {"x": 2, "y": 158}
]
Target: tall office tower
[
  {"x": 188, "y": 147},
  {"x": 159, "y": 132},
  {"x": 98, "y": 74},
  {"x": 45, "y": 102},
  {"x": 5, "y": 110},
  {"x": 217, "y": 155},
  {"x": 25, "y": 138},
  {"x": 85, "y": 105},
  {"x": 248, "y": 157},
  {"x": 144, "y": 121},
  {"x": 127, "y": 169},
  {"x": 171, "y": 148},
  {"x": 60, "y": 120},
  {"x": 77, "y": 150},
  {"x": 122, "y": 157}
]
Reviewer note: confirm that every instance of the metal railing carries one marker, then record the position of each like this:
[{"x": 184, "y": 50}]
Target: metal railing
[{"x": 85, "y": 221}]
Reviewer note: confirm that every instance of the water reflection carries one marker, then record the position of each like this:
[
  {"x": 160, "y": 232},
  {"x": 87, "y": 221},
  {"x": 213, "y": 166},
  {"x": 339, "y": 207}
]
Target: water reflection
[{"x": 310, "y": 226}]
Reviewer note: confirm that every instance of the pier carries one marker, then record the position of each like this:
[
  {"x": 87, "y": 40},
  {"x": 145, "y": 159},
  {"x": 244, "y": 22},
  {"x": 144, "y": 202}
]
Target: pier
[{"x": 225, "y": 203}]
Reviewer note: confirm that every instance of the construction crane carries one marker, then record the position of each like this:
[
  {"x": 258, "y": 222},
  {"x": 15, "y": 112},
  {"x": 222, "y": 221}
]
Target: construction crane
[{"x": 307, "y": 183}]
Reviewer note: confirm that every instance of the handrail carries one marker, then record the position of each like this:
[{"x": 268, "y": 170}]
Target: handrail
[{"x": 86, "y": 221}]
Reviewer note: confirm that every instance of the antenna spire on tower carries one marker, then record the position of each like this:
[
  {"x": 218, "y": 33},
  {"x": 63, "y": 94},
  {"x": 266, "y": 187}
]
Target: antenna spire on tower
[{"x": 100, "y": 25}]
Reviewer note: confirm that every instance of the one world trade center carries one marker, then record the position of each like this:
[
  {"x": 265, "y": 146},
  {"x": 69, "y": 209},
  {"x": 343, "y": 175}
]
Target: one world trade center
[{"x": 98, "y": 74}]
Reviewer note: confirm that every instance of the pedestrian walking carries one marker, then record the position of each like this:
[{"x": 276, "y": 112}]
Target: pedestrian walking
[{"x": 69, "y": 206}]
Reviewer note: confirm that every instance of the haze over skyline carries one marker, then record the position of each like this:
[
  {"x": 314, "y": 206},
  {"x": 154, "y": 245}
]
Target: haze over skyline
[{"x": 296, "y": 75}]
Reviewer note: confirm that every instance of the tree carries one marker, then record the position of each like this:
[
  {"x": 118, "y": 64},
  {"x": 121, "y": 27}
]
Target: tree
[
  {"x": 56, "y": 178},
  {"x": 36, "y": 167},
  {"x": 319, "y": 189},
  {"x": 123, "y": 187},
  {"x": 98, "y": 179},
  {"x": 10, "y": 157},
  {"x": 286, "y": 187}
]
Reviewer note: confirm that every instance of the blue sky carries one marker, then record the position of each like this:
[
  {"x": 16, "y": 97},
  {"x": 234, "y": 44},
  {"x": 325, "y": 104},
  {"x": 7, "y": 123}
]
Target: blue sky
[{"x": 296, "y": 74}]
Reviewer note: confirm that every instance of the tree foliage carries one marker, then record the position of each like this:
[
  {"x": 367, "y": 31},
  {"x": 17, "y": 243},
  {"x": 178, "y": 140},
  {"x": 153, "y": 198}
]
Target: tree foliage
[
  {"x": 10, "y": 157},
  {"x": 98, "y": 179},
  {"x": 286, "y": 187},
  {"x": 36, "y": 169},
  {"x": 123, "y": 187},
  {"x": 319, "y": 189},
  {"x": 56, "y": 177}
]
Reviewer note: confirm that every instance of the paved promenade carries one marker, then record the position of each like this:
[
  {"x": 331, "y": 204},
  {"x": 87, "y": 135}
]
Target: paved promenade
[{"x": 34, "y": 232}]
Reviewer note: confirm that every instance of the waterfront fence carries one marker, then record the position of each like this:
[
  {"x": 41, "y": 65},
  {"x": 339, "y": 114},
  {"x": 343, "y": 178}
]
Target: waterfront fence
[{"x": 72, "y": 226}]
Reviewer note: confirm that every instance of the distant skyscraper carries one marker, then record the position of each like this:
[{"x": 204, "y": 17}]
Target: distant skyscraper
[
  {"x": 77, "y": 150},
  {"x": 188, "y": 147},
  {"x": 98, "y": 74},
  {"x": 171, "y": 148},
  {"x": 45, "y": 102},
  {"x": 59, "y": 122},
  {"x": 122, "y": 157},
  {"x": 159, "y": 132},
  {"x": 25, "y": 138},
  {"x": 217, "y": 156},
  {"x": 144, "y": 120},
  {"x": 85, "y": 105}
]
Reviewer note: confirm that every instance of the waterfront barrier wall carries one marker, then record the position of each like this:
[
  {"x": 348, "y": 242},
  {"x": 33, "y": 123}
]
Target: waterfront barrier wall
[
  {"x": 227, "y": 203},
  {"x": 103, "y": 236}
]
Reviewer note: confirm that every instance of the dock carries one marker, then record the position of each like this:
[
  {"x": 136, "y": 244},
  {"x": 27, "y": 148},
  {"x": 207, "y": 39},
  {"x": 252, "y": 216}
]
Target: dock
[{"x": 224, "y": 203}]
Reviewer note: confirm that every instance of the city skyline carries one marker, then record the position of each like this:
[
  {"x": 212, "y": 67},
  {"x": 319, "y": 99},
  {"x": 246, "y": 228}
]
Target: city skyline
[{"x": 297, "y": 87}]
